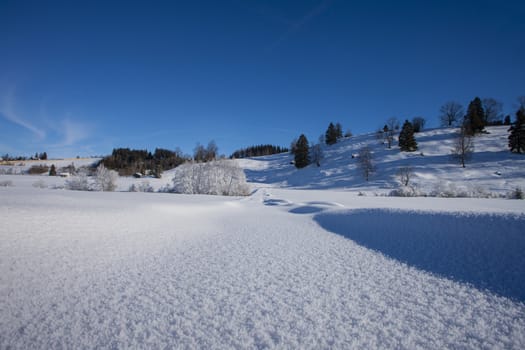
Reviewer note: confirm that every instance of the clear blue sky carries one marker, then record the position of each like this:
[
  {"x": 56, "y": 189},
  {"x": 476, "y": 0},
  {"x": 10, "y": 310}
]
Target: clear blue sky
[{"x": 83, "y": 77}]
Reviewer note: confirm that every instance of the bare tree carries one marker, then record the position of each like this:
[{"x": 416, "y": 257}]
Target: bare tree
[
  {"x": 365, "y": 162},
  {"x": 389, "y": 130},
  {"x": 418, "y": 123},
  {"x": 316, "y": 154},
  {"x": 404, "y": 175},
  {"x": 451, "y": 114},
  {"x": 493, "y": 110},
  {"x": 463, "y": 147}
]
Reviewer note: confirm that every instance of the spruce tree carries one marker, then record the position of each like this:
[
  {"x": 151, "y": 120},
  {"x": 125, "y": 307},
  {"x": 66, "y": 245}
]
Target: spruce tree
[
  {"x": 301, "y": 152},
  {"x": 338, "y": 131},
  {"x": 53, "y": 170},
  {"x": 407, "y": 141},
  {"x": 517, "y": 133},
  {"x": 475, "y": 118},
  {"x": 331, "y": 134}
]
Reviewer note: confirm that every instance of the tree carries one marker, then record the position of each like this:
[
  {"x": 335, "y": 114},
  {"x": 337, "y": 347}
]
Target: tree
[
  {"x": 211, "y": 151},
  {"x": 52, "y": 170},
  {"x": 293, "y": 146},
  {"x": 451, "y": 114},
  {"x": 407, "y": 141},
  {"x": 302, "y": 158},
  {"x": 317, "y": 154},
  {"x": 463, "y": 146},
  {"x": 365, "y": 162},
  {"x": 331, "y": 134},
  {"x": 475, "y": 118},
  {"x": 506, "y": 121},
  {"x": 404, "y": 175},
  {"x": 389, "y": 130},
  {"x": 517, "y": 133},
  {"x": 418, "y": 123},
  {"x": 106, "y": 180},
  {"x": 199, "y": 153},
  {"x": 338, "y": 131},
  {"x": 493, "y": 110}
]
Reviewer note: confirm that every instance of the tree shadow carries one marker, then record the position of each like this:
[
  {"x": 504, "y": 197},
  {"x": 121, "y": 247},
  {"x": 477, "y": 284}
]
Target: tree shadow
[{"x": 484, "y": 250}]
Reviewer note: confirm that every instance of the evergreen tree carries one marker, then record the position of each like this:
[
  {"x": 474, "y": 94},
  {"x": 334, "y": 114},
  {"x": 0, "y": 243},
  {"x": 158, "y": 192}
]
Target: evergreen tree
[
  {"x": 407, "y": 141},
  {"x": 52, "y": 170},
  {"x": 517, "y": 133},
  {"x": 302, "y": 158},
  {"x": 475, "y": 118},
  {"x": 331, "y": 134}
]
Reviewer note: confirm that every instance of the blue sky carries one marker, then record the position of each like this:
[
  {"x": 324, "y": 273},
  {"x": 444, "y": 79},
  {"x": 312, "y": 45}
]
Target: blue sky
[{"x": 84, "y": 77}]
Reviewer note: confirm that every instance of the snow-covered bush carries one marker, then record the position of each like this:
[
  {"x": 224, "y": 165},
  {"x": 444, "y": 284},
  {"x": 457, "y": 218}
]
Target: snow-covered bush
[
  {"x": 222, "y": 177},
  {"x": 39, "y": 184},
  {"x": 79, "y": 182},
  {"x": 406, "y": 191},
  {"x": 6, "y": 183},
  {"x": 105, "y": 179},
  {"x": 144, "y": 186}
]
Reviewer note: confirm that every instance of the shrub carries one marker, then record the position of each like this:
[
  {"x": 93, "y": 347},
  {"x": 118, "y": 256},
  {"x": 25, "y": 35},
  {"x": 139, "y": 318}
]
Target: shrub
[
  {"x": 39, "y": 184},
  {"x": 105, "y": 179},
  {"x": 78, "y": 183},
  {"x": 6, "y": 183},
  {"x": 517, "y": 193},
  {"x": 38, "y": 169},
  {"x": 144, "y": 186},
  {"x": 222, "y": 177}
]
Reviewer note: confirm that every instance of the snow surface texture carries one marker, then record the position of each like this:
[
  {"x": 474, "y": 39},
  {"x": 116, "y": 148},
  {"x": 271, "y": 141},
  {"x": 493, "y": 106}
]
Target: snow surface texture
[{"x": 141, "y": 270}]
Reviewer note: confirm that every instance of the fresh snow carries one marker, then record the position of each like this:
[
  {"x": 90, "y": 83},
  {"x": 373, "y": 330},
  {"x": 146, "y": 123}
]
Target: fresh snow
[{"x": 303, "y": 262}]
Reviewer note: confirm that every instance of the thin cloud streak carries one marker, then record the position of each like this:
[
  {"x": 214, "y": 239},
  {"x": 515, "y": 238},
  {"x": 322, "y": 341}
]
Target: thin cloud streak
[
  {"x": 7, "y": 110},
  {"x": 297, "y": 26}
]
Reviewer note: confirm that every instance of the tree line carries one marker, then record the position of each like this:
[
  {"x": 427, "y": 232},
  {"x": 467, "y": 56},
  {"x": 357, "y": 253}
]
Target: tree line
[{"x": 258, "y": 151}]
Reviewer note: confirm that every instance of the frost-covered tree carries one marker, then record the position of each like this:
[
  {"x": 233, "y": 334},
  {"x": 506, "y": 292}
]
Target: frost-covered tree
[
  {"x": 407, "y": 141},
  {"x": 517, "y": 133},
  {"x": 463, "y": 146},
  {"x": 221, "y": 177},
  {"x": 365, "y": 162},
  {"x": 105, "y": 179},
  {"x": 302, "y": 150},
  {"x": 78, "y": 182},
  {"x": 317, "y": 154},
  {"x": 451, "y": 113}
]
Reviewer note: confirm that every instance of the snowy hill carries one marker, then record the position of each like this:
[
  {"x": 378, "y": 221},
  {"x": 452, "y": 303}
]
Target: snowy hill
[{"x": 492, "y": 169}]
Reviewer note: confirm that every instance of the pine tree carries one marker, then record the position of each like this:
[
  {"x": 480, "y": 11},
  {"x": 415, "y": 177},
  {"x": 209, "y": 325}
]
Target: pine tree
[
  {"x": 331, "y": 134},
  {"x": 52, "y": 170},
  {"x": 475, "y": 118},
  {"x": 517, "y": 133},
  {"x": 301, "y": 152},
  {"x": 407, "y": 141}
]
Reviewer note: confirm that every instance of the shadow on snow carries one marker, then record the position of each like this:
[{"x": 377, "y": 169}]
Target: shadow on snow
[{"x": 484, "y": 250}]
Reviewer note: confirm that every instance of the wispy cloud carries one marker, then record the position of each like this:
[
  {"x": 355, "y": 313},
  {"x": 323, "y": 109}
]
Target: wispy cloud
[
  {"x": 74, "y": 132},
  {"x": 8, "y": 112},
  {"x": 296, "y": 26}
]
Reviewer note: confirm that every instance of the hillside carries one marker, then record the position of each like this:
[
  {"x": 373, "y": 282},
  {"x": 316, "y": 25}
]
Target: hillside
[{"x": 492, "y": 167}]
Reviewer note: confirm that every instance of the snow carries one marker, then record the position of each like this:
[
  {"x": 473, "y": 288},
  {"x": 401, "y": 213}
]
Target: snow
[{"x": 303, "y": 262}]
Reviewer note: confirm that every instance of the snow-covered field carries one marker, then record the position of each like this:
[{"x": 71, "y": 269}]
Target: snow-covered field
[
  {"x": 281, "y": 268},
  {"x": 304, "y": 262}
]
